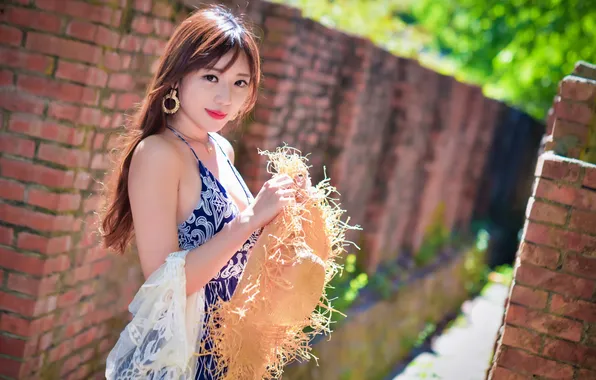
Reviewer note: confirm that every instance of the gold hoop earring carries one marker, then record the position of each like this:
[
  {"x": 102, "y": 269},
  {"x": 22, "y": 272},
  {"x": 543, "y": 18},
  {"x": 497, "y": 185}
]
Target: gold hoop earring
[{"x": 170, "y": 96}]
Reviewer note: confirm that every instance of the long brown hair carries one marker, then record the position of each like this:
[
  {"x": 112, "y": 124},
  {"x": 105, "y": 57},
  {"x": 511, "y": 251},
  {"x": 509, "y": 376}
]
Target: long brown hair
[{"x": 198, "y": 42}]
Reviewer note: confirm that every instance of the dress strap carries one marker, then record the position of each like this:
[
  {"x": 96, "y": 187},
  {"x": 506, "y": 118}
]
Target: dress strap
[
  {"x": 242, "y": 184},
  {"x": 183, "y": 139}
]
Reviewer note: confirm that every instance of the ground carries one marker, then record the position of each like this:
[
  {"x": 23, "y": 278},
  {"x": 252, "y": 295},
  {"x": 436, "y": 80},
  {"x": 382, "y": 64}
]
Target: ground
[{"x": 463, "y": 351}]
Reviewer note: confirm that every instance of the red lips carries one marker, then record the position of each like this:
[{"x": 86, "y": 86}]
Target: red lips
[{"x": 216, "y": 114}]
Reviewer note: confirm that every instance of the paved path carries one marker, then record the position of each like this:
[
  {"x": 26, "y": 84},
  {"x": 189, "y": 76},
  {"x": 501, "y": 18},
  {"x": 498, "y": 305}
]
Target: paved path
[{"x": 464, "y": 350}]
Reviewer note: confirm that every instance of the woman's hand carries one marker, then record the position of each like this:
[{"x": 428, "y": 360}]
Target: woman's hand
[{"x": 278, "y": 192}]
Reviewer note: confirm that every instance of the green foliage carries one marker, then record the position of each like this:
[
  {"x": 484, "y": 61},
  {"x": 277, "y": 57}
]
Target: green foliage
[
  {"x": 345, "y": 287},
  {"x": 517, "y": 50},
  {"x": 436, "y": 237},
  {"x": 475, "y": 268}
]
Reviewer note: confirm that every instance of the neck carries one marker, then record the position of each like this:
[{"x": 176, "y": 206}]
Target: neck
[{"x": 183, "y": 124}]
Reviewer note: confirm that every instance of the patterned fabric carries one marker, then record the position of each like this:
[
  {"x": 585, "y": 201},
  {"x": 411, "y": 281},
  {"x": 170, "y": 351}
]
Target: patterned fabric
[{"x": 214, "y": 210}]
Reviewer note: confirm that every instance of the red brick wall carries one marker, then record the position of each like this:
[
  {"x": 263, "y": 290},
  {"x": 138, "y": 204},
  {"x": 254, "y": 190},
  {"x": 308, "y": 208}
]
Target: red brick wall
[
  {"x": 549, "y": 329},
  {"x": 395, "y": 137}
]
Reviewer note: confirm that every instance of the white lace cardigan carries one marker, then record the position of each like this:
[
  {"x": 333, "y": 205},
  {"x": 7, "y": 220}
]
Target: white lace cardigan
[{"x": 162, "y": 337}]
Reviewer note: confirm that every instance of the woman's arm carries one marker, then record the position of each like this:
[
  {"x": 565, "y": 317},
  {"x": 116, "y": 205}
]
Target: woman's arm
[{"x": 153, "y": 190}]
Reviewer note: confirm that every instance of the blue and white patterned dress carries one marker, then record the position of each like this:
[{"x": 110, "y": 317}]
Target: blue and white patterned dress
[{"x": 214, "y": 210}]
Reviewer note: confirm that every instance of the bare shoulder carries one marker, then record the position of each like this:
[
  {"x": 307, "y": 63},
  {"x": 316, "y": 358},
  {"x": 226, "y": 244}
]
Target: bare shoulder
[
  {"x": 156, "y": 153},
  {"x": 226, "y": 145}
]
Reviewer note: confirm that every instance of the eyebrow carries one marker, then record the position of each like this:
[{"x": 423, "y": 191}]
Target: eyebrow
[{"x": 221, "y": 71}]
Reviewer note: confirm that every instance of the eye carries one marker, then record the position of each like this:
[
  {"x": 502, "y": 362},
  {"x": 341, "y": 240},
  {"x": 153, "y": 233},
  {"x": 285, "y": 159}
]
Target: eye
[
  {"x": 241, "y": 83},
  {"x": 210, "y": 78}
]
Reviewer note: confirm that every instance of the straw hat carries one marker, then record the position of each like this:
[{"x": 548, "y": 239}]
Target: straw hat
[{"x": 282, "y": 290}]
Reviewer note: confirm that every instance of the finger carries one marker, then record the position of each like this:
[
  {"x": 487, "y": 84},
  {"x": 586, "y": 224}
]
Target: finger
[
  {"x": 286, "y": 192},
  {"x": 281, "y": 178}
]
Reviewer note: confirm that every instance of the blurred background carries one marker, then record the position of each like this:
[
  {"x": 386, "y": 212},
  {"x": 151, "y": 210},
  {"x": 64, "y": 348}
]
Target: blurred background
[{"x": 428, "y": 117}]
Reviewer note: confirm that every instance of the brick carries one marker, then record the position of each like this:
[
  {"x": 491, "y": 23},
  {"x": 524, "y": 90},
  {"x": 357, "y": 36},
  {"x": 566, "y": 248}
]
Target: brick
[
  {"x": 573, "y": 353},
  {"x": 163, "y": 28},
  {"x": 42, "y": 244},
  {"x": 538, "y": 255},
  {"x": 69, "y": 298},
  {"x": 16, "y": 146},
  {"x": 566, "y": 129},
  {"x": 63, "y": 156},
  {"x": 12, "y": 346},
  {"x": 6, "y": 78},
  {"x": 81, "y": 73},
  {"x": 581, "y": 265},
  {"x": 85, "y": 338},
  {"x": 23, "y": 284},
  {"x": 529, "y": 297},
  {"x": 107, "y": 37},
  {"x": 81, "y": 30},
  {"x": 522, "y": 362},
  {"x": 577, "y": 89},
  {"x": 35, "y": 220},
  {"x": 555, "y": 167},
  {"x": 64, "y": 111},
  {"x": 112, "y": 61},
  {"x": 78, "y": 9},
  {"x": 143, "y": 5},
  {"x": 33, "y": 19},
  {"x": 10, "y": 35},
  {"x": 16, "y": 304},
  {"x": 501, "y": 373},
  {"x": 130, "y": 43},
  {"x": 57, "y": 264},
  {"x": 558, "y": 238},
  {"x": 11, "y": 190},
  {"x": 10, "y": 259},
  {"x": 52, "y": 45},
  {"x": 101, "y": 267},
  {"x": 153, "y": 46},
  {"x": 15, "y": 325},
  {"x": 583, "y": 221},
  {"x": 277, "y": 24},
  {"x": 521, "y": 338},
  {"x": 16, "y": 101},
  {"x": 46, "y": 129},
  {"x": 92, "y": 203},
  {"x": 6, "y": 234},
  {"x": 127, "y": 101},
  {"x": 554, "y": 281},
  {"x": 117, "y": 18},
  {"x": 576, "y": 112},
  {"x": 29, "y": 172},
  {"x": 98, "y": 141},
  {"x": 565, "y": 194},
  {"x": 585, "y": 311},
  {"x": 82, "y": 180},
  {"x": 544, "y": 323},
  {"x": 162, "y": 9},
  {"x": 121, "y": 82},
  {"x": 54, "y": 201},
  {"x": 49, "y": 88},
  {"x": 45, "y": 305},
  {"x": 585, "y": 374},
  {"x": 142, "y": 25},
  {"x": 10, "y": 367},
  {"x": 90, "y": 116},
  {"x": 60, "y": 351},
  {"x": 590, "y": 177},
  {"x": 74, "y": 328}
]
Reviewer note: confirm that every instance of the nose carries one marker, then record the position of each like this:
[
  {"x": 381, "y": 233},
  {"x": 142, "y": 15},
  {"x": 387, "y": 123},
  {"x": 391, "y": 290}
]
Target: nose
[{"x": 223, "y": 96}]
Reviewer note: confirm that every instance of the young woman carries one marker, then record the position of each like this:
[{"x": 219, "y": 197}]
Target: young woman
[{"x": 178, "y": 193}]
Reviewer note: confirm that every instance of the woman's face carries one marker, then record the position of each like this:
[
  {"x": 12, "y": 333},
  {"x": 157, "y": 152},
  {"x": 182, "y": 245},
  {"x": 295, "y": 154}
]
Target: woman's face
[{"x": 210, "y": 98}]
